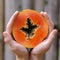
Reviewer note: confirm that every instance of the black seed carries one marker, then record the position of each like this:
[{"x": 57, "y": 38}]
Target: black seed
[{"x": 29, "y": 30}]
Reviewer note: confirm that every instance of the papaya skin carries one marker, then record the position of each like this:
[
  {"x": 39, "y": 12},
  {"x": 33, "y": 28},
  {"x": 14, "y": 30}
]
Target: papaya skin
[{"x": 39, "y": 33}]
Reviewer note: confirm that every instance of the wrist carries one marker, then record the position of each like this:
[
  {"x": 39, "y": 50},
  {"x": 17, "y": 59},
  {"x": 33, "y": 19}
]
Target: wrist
[
  {"x": 21, "y": 58},
  {"x": 33, "y": 57}
]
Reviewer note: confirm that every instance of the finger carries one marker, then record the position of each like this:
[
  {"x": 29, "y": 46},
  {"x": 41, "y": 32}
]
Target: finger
[
  {"x": 14, "y": 46},
  {"x": 9, "y": 25},
  {"x": 45, "y": 15},
  {"x": 51, "y": 25},
  {"x": 52, "y": 37},
  {"x": 8, "y": 39}
]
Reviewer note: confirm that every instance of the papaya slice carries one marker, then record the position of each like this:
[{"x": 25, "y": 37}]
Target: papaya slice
[{"x": 29, "y": 28}]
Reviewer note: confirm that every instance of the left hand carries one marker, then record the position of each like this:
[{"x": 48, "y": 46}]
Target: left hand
[{"x": 19, "y": 50}]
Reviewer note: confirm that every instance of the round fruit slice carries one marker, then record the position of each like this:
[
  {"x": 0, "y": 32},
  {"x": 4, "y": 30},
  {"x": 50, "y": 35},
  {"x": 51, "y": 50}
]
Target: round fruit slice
[{"x": 30, "y": 28}]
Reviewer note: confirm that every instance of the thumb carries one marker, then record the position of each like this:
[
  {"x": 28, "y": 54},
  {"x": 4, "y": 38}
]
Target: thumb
[
  {"x": 52, "y": 37},
  {"x": 14, "y": 46},
  {"x": 7, "y": 38}
]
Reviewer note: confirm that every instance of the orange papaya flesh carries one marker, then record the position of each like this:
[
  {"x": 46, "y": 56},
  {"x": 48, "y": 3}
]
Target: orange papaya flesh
[{"x": 30, "y": 28}]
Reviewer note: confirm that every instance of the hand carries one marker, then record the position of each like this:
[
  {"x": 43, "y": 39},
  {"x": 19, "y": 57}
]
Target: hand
[
  {"x": 38, "y": 52},
  {"x": 19, "y": 50}
]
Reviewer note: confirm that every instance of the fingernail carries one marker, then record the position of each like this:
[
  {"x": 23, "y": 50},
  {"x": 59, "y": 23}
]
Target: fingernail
[
  {"x": 16, "y": 12},
  {"x": 41, "y": 12},
  {"x": 45, "y": 12}
]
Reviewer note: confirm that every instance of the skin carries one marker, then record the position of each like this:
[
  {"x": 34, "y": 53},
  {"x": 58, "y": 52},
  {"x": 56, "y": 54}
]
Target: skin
[{"x": 20, "y": 51}]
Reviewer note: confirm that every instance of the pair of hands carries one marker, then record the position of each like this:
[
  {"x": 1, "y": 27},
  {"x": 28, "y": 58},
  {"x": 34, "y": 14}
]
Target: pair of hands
[{"x": 37, "y": 52}]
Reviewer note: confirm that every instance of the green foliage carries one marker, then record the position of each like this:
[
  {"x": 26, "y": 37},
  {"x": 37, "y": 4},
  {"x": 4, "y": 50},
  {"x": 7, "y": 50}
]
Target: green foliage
[
  {"x": 57, "y": 27},
  {"x": 46, "y": 2}
]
